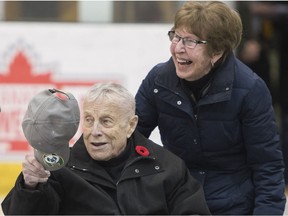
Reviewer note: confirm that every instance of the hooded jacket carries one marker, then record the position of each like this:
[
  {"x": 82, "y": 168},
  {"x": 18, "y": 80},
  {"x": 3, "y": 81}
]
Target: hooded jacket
[
  {"x": 153, "y": 181},
  {"x": 228, "y": 138}
]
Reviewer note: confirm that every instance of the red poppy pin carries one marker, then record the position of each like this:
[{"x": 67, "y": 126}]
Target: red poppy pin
[{"x": 141, "y": 150}]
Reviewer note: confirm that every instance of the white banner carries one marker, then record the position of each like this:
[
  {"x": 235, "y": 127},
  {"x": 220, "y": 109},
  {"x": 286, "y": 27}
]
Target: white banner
[{"x": 71, "y": 57}]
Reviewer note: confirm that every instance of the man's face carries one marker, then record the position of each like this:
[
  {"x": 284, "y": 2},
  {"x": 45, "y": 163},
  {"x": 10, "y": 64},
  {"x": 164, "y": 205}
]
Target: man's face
[{"x": 106, "y": 128}]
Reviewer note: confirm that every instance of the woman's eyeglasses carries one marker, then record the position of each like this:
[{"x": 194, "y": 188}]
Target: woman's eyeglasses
[{"x": 187, "y": 42}]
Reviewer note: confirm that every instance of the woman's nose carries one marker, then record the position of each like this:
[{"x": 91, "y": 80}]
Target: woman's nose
[{"x": 180, "y": 47}]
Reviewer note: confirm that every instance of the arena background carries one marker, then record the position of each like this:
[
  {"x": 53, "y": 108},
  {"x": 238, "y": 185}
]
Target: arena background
[{"x": 73, "y": 44}]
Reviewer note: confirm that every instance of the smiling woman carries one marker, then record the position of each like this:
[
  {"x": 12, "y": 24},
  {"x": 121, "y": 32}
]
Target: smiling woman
[{"x": 215, "y": 113}]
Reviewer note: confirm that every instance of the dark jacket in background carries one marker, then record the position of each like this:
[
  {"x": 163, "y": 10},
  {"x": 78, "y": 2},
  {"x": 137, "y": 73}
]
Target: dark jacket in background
[
  {"x": 229, "y": 139},
  {"x": 155, "y": 184}
]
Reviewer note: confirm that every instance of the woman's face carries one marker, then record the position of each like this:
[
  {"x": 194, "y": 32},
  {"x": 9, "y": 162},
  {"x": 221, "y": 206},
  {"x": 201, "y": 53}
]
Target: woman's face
[{"x": 191, "y": 63}]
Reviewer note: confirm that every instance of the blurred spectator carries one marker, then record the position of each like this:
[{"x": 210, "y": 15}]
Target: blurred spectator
[
  {"x": 254, "y": 56},
  {"x": 277, "y": 13}
]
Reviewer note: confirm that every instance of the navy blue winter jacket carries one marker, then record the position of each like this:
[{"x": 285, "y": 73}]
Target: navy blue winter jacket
[{"x": 229, "y": 139}]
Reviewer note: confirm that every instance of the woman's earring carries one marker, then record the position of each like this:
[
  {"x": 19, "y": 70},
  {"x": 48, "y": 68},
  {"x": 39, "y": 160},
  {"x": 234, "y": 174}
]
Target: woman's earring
[{"x": 212, "y": 63}]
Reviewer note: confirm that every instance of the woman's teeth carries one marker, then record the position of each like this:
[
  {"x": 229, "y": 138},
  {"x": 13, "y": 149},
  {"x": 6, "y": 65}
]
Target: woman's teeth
[{"x": 184, "y": 62}]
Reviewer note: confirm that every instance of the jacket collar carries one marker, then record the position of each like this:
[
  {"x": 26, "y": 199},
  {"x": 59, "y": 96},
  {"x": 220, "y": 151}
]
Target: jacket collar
[
  {"x": 80, "y": 154},
  {"x": 81, "y": 162},
  {"x": 168, "y": 78},
  {"x": 222, "y": 84}
]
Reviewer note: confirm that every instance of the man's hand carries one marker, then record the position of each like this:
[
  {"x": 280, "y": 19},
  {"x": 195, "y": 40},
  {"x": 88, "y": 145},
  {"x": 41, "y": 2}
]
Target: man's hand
[{"x": 33, "y": 172}]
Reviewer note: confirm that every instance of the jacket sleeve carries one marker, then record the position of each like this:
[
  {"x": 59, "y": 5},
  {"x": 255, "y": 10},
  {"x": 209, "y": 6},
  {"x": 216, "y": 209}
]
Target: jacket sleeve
[
  {"x": 21, "y": 201},
  {"x": 264, "y": 154},
  {"x": 187, "y": 197},
  {"x": 145, "y": 106}
]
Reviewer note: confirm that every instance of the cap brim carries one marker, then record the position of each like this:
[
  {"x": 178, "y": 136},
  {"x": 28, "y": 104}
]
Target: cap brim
[{"x": 53, "y": 160}]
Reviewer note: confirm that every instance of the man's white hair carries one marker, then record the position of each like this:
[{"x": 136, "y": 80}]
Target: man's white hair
[{"x": 113, "y": 92}]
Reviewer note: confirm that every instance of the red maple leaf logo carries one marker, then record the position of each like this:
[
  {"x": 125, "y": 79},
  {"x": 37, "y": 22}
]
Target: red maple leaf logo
[
  {"x": 17, "y": 86},
  {"x": 20, "y": 71}
]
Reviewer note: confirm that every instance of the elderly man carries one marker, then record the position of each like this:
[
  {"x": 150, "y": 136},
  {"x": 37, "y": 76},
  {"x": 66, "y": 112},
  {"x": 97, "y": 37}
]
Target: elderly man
[{"x": 112, "y": 169}]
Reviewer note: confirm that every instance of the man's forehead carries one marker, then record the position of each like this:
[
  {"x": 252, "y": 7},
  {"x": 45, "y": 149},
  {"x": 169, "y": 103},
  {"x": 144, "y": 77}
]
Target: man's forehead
[{"x": 103, "y": 107}]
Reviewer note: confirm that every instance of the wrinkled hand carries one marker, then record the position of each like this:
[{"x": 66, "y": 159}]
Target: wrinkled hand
[{"x": 33, "y": 172}]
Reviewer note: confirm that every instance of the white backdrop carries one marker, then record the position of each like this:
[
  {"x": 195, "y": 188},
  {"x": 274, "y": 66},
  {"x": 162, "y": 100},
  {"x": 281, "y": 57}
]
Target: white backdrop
[
  {"x": 129, "y": 50},
  {"x": 75, "y": 52}
]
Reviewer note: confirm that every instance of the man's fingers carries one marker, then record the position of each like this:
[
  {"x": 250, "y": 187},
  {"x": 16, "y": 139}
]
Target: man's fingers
[
  {"x": 32, "y": 160},
  {"x": 33, "y": 172}
]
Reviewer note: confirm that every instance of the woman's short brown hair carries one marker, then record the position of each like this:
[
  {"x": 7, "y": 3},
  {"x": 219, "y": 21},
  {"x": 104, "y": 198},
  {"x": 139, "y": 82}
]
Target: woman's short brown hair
[{"x": 212, "y": 21}]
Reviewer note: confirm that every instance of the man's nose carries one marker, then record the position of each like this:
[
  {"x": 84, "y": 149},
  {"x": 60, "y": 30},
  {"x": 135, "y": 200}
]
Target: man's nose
[{"x": 96, "y": 130}]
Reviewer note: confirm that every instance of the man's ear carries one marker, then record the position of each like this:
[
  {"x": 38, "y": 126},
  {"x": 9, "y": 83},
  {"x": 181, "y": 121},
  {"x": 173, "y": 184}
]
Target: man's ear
[{"x": 132, "y": 125}]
